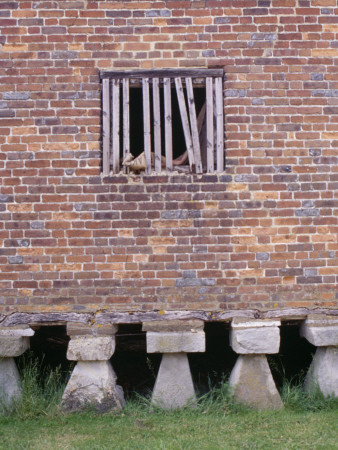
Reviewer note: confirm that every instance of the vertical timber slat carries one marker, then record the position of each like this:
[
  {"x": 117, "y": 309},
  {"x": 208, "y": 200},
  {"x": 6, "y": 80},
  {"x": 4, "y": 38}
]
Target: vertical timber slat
[
  {"x": 157, "y": 124},
  {"x": 219, "y": 124},
  {"x": 185, "y": 121},
  {"x": 105, "y": 126},
  {"x": 168, "y": 124},
  {"x": 193, "y": 124},
  {"x": 126, "y": 118},
  {"x": 146, "y": 123},
  {"x": 116, "y": 126},
  {"x": 210, "y": 124}
]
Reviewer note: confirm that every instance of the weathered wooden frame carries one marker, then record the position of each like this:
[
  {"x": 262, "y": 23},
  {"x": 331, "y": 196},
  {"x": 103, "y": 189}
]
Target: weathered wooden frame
[{"x": 212, "y": 79}]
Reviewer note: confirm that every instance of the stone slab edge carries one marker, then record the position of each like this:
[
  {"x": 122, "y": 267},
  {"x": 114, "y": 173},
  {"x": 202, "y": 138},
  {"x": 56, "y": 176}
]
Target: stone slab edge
[
  {"x": 244, "y": 322},
  {"x": 173, "y": 325},
  {"x": 18, "y": 331},
  {"x": 81, "y": 329}
]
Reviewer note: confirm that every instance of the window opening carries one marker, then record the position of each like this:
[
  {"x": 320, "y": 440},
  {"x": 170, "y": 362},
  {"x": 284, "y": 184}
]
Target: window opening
[{"x": 163, "y": 120}]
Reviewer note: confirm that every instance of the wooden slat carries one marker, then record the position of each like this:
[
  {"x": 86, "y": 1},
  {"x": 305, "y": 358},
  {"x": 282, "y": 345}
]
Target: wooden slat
[
  {"x": 105, "y": 126},
  {"x": 219, "y": 124},
  {"x": 146, "y": 123},
  {"x": 164, "y": 73},
  {"x": 115, "y": 154},
  {"x": 193, "y": 124},
  {"x": 210, "y": 125},
  {"x": 185, "y": 121},
  {"x": 157, "y": 124},
  {"x": 202, "y": 133},
  {"x": 126, "y": 118},
  {"x": 168, "y": 125}
]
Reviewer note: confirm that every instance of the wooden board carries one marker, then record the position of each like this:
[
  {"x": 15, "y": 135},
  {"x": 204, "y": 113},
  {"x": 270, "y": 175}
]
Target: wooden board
[
  {"x": 185, "y": 121},
  {"x": 115, "y": 317},
  {"x": 106, "y": 127},
  {"x": 126, "y": 118},
  {"x": 157, "y": 124},
  {"x": 219, "y": 124},
  {"x": 164, "y": 73},
  {"x": 115, "y": 154},
  {"x": 210, "y": 124},
  {"x": 168, "y": 125},
  {"x": 146, "y": 123},
  {"x": 193, "y": 125}
]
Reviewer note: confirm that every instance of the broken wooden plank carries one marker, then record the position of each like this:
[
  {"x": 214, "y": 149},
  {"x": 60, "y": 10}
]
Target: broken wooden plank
[
  {"x": 210, "y": 124},
  {"x": 219, "y": 124},
  {"x": 146, "y": 123},
  {"x": 157, "y": 125},
  {"x": 185, "y": 121},
  {"x": 115, "y": 155},
  {"x": 168, "y": 125},
  {"x": 126, "y": 118},
  {"x": 193, "y": 125},
  {"x": 105, "y": 127}
]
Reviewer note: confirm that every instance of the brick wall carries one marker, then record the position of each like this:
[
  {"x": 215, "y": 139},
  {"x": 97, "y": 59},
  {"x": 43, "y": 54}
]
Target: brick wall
[{"x": 262, "y": 235}]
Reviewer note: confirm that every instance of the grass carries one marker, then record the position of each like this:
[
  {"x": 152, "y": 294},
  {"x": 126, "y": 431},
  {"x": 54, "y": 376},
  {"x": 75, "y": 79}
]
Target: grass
[{"x": 37, "y": 421}]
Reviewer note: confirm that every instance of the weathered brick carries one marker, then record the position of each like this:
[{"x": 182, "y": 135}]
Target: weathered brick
[{"x": 260, "y": 235}]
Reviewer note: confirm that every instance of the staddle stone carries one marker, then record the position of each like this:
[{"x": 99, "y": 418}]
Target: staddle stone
[
  {"x": 253, "y": 384},
  {"x": 10, "y": 385},
  {"x": 93, "y": 383},
  {"x": 174, "y": 387},
  {"x": 323, "y": 371}
]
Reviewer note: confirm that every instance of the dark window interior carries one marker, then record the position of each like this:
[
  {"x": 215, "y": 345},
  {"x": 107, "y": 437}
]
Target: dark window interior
[{"x": 136, "y": 120}]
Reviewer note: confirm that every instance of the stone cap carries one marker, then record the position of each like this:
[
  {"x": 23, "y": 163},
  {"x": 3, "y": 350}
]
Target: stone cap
[
  {"x": 12, "y": 346},
  {"x": 321, "y": 320},
  {"x": 175, "y": 342},
  {"x": 320, "y": 330},
  {"x": 88, "y": 348},
  {"x": 174, "y": 325},
  {"x": 246, "y": 322},
  {"x": 95, "y": 329},
  {"x": 17, "y": 331},
  {"x": 249, "y": 336}
]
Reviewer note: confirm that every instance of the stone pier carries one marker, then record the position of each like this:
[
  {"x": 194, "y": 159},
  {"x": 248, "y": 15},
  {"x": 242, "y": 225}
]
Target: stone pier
[
  {"x": 174, "y": 386},
  {"x": 93, "y": 381},
  {"x": 322, "y": 331},
  {"x": 14, "y": 341},
  {"x": 251, "y": 378}
]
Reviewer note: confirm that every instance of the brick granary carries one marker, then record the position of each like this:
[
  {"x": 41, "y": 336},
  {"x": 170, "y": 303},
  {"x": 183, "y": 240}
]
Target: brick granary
[{"x": 169, "y": 163}]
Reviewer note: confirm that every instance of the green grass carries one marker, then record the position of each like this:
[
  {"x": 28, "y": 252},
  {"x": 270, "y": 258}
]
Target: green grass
[{"x": 218, "y": 422}]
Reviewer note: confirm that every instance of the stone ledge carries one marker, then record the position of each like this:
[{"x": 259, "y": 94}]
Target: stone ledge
[{"x": 175, "y": 342}]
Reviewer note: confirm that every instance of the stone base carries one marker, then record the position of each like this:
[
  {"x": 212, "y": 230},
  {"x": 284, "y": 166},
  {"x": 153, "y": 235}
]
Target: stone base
[
  {"x": 253, "y": 384},
  {"x": 10, "y": 385},
  {"x": 323, "y": 371},
  {"x": 93, "y": 383},
  {"x": 174, "y": 387}
]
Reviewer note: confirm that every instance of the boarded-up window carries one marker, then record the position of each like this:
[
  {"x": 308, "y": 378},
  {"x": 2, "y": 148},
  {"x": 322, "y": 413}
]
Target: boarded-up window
[{"x": 163, "y": 120}]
